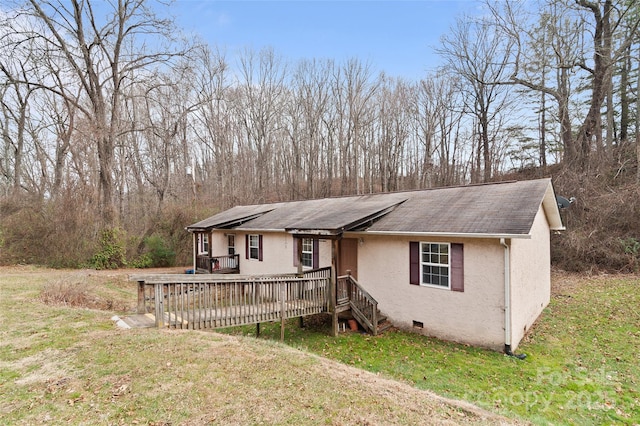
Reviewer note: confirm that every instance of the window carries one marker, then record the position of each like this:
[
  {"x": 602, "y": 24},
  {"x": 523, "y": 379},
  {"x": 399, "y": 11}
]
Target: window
[
  {"x": 438, "y": 265},
  {"x": 204, "y": 243},
  {"x": 253, "y": 246},
  {"x": 307, "y": 252},
  {"x": 435, "y": 264},
  {"x": 231, "y": 244},
  {"x": 310, "y": 255}
]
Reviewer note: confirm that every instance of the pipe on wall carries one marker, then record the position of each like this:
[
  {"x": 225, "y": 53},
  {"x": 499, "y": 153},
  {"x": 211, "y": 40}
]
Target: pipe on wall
[{"x": 507, "y": 301}]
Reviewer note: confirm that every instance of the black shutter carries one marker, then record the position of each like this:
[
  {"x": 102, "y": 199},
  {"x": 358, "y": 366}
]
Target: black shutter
[
  {"x": 260, "y": 248},
  {"x": 457, "y": 267},
  {"x": 414, "y": 263},
  {"x": 246, "y": 246}
]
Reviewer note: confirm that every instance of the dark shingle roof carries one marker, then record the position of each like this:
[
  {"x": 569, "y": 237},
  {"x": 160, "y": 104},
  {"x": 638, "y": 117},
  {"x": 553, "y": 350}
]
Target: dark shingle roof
[
  {"x": 500, "y": 209},
  {"x": 233, "y": 217},
  {"x": 332, "y": 214}
]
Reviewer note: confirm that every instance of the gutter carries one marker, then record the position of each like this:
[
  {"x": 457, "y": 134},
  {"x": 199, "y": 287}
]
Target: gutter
[
  {"x": 441, "y": 234},
  {"x": 507, "y": 302}
]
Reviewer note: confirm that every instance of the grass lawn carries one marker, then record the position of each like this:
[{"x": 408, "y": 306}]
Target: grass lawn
[
  {"x": 582, "y": 365},
  {"x": 69, "y": 364},
  {"x": 63, "y": 361}
]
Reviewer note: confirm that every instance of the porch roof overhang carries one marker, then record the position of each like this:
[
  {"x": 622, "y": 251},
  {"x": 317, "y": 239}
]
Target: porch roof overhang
[
  {"x": 232, "y": 218},
  {"x": 325, "y": 218},
  {"x": 307, "y": 230}
]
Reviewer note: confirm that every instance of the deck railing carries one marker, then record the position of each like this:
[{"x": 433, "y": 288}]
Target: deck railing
[
  {"x": 218, "y": 264},
  {"x": 363, "y": 307},
  {"x": 196, "y": 302}
]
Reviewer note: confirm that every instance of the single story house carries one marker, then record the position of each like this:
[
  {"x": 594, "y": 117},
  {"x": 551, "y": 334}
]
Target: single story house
[{"x": 469, "y": 264}]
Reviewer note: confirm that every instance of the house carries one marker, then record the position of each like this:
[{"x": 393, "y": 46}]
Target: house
[{"x": 469, "y": 264}]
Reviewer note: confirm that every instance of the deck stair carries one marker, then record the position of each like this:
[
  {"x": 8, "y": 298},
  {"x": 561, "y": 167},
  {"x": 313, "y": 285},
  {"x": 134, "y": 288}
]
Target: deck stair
[{"x": 364, "y": 308}]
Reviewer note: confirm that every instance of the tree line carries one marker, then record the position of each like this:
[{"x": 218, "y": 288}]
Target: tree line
[{"x": 108, "y": 112}]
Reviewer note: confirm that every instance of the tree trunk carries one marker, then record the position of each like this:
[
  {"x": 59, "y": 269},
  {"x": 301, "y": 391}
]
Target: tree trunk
[
  {"x": 625, "y": 66},
  {"x": 602, "y": 40}
]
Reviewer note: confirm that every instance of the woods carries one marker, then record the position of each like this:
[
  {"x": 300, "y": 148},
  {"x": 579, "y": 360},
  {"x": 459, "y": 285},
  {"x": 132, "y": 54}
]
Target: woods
[{"x": 111, "y": 119}]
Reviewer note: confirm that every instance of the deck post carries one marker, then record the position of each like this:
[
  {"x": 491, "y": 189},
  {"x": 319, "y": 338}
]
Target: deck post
[
  {"x": 141, "y": 305},
  {"x": 258, "y": 329},
  {"x": 283, "y": 297},
  {"x": 333, "y": 287},
  {"x": 159, "y": 296}
]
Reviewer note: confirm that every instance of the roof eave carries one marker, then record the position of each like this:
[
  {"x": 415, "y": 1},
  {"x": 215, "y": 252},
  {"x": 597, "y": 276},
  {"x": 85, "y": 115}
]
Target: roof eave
[
  {"x": 229, "y": 224},
  {"x": 315, "y": 232},
  {"x": 476, "y": 235}
]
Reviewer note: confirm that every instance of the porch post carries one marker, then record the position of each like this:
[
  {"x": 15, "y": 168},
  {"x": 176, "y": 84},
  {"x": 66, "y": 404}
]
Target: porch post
[
  {"x": 195, "y": 251},
  {"x": 334, "y": 286},
  {"x": 210, "y": 253},
  {"x": 299, "y": 254}
]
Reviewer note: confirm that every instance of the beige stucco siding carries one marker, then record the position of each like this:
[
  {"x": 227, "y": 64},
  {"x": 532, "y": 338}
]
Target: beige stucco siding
[
  {"x": 530, "y": 278},
  {"x": 277, "y": 252},
  {"x": 219, "y": 243},
  {"x": 475, "y": 316}
]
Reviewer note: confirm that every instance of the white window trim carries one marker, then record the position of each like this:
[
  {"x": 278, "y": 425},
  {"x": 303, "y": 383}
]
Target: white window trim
[
  {"x": 257, "y": 246},
  {"x": 202, "y": 240},
  {"x": 234, "y": 244},
  {"x": 423, "y": 264},
  {"x": 310, "y": 242}
]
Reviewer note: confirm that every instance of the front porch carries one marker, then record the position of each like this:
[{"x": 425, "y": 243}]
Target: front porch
[{"x": 207, "y": 264}]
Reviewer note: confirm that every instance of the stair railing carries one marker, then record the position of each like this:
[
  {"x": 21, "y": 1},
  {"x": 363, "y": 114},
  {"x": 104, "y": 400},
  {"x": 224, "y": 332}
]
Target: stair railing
[{"x": 363, "y": 306}]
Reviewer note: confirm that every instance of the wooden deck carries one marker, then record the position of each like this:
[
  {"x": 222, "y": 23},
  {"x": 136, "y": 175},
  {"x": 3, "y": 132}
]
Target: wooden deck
[
  {"x": 210, "y": 301},
  {"x": 215, "y": 301},
  {"x": 224, "y": 317}
]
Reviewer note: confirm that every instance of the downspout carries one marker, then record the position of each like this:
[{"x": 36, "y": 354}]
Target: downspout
[{"x": 507, "y": 302}]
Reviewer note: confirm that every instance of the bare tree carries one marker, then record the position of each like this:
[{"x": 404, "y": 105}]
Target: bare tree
[
  {"x": 353, "y": 90},
  {"x": 480, "y": 56},
  {"x": 310, "y": 105},
  {"x": 565, "y": 26},
  {"x": 100, "y": 55},
  {"x": 262, "y": 99}
]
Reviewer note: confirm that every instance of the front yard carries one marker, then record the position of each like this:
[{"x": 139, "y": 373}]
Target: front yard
[
  {"x": 582, "y": 365},
  {"x": 68, "y": 363}
]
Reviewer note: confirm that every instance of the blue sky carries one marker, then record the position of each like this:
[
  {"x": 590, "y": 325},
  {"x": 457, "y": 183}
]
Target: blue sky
[{"x": 394, "y": 36}]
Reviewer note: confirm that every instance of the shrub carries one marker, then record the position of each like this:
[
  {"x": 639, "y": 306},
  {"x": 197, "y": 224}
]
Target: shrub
[
  {"x": 112, "y": 253},
  {"x": 66, "y": 293},
  {"x": 80, "y": 291},
  {"x": 143, "y": 261},
  {"x": 47, "y": 232},
  {"x": 159, "y": 252}
]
